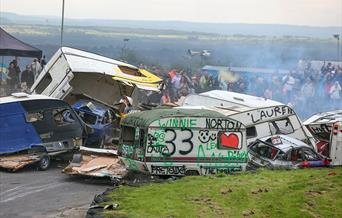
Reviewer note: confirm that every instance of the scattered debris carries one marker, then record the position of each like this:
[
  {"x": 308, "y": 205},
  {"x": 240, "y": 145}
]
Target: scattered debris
[
  {"x": 97, "y": 163},
  {"x": 16, "y": 162}
]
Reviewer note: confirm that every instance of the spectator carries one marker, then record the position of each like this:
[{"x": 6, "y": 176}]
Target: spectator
[
  {"x": 42, "y": 61},
  {"x": 27, "y": 76},
  {"x": 128, "y": 102},
  {"x": 13, "y": 74},
  {"x": 36, "y": 68},
  {"x": 288, "y": 84},
  {"x": 165, "y": 99},
  {"x": 335, "y": 94}
]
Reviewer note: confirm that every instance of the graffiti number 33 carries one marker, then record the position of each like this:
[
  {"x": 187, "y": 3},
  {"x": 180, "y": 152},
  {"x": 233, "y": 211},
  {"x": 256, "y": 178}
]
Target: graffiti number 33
[{"x": 184, "y": 141}]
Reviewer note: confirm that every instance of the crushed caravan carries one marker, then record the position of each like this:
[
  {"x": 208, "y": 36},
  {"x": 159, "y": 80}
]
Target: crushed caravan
[
  {"x": 182, "y": 142},
  {"x": 72, "y": 74},
  {"x": 35, "y": 127},
  {"x": 262, "y": 117},
  {"x": 283, "y": 152},
  {"x": 327, "y": 128}
]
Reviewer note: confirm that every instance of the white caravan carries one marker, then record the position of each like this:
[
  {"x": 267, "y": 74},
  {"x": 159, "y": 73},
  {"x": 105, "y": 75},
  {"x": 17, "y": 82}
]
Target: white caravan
[
  {"x": 327, "y": 127},
  {"x": 262, "y": 117},
  {"x": 72, "y": 74}
]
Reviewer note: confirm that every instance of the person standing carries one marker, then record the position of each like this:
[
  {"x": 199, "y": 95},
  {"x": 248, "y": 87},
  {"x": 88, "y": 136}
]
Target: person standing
[
  {"x": 335, "y": 95},
  {"x": 27, "y": 76},
  {"x": 13, "y": 74},
  {"x": 36, "y": 68},
  {"x": 128, "y": 102}
]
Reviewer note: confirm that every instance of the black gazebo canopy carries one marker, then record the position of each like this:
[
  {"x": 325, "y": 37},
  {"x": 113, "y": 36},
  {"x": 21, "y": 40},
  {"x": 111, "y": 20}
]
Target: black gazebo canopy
[{"x": 11, "y": 46}]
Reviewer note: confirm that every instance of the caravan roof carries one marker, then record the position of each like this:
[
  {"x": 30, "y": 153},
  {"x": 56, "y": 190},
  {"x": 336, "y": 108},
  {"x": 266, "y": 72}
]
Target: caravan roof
[
  {"x": 145, "y": 118},
  {"x": 15, "y": 97},
  {"x": 82, "y": 61},
  {"x": 232, "y": 101},
  {"x": 325, "y": 118},
  {"x": 85, "y": 62}
]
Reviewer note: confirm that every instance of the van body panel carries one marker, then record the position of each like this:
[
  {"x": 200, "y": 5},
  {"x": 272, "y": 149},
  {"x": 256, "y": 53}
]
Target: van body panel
[{"x": 49, "y": 123}]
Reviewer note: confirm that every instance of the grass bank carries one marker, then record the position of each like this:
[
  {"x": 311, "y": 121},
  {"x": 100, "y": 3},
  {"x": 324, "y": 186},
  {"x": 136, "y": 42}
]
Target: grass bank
[{"x": 296, "y": 193}]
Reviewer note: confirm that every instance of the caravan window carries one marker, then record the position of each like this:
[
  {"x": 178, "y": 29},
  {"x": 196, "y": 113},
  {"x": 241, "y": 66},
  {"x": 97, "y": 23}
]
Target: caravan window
[
  {"x": 282, "y": 126},
  {"x": 251, "y": 132},
  {"x": 128, "y": 135},
  {"x": 46, "y": 80}
]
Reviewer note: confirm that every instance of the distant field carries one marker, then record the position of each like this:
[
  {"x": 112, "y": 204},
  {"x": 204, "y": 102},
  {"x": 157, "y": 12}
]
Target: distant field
[
  {"x": 168, "y": 48},
  {"x": 297, "y": 193},
  {"x": 146, "y": 33}
]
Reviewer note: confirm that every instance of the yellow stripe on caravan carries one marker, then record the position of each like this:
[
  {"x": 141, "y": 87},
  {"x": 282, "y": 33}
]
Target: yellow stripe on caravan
[{"x": 148, "y": 79}]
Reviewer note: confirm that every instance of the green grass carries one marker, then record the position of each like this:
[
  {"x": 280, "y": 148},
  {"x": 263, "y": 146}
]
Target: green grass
[{"x": 297, "y": 193}]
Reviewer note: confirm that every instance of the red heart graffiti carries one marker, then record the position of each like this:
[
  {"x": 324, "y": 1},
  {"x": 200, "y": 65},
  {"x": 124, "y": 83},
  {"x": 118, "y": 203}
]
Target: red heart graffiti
[{"x": 231, "y": 141}]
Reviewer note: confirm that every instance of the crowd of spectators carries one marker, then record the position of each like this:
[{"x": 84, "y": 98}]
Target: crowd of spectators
[
  {"x": 13, "y": 79},
  {"x": 306, "y": 90}
]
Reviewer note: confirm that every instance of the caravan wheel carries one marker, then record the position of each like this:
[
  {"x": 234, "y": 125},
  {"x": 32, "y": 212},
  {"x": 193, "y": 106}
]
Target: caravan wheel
[
  {"x": 191, "y": 173},
  {"x": 44, "y": 163}
]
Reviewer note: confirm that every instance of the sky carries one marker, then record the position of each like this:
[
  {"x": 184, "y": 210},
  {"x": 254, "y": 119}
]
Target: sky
[{"x": 294, "y": 12}]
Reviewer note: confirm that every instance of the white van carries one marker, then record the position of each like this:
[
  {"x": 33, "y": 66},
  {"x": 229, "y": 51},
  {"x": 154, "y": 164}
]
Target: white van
[
  {"x": 327, "y": 127},
  {"x": 262, "y": 117},
  {"x": 182, "y": 142}
]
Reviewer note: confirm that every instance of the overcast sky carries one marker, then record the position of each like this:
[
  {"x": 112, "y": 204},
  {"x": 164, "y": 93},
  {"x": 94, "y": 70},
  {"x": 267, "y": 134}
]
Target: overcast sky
[{"x": 298, "y": 12}]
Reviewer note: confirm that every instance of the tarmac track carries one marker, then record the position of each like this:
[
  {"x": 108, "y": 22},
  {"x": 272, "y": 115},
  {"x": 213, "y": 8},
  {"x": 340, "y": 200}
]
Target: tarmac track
[{"x": 32, "y": 193}]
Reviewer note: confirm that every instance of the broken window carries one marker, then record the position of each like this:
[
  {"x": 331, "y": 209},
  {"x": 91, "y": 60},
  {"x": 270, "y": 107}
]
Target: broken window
[
  {"x": 265, "y": 150},
  {"x": 47, "y": 79},
  {"x": 32, "y": 117},
  {"x": 282, "y": 126},
  {"x": 89, "y": 119},
  {"x": 62, "y": 117},
  {"x": 310, "y": 155},
  {"x": 128, "y": 135}
]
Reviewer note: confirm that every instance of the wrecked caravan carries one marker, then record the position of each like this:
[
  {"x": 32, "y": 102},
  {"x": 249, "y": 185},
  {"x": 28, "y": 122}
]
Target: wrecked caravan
[
  {"x": 35, "y": 127},
  {"x": 327, "y": 128},
  {"x": 72, "y": 74},
  {"x": 182, "y": 142},
  {"x": 262, "y": 117}
]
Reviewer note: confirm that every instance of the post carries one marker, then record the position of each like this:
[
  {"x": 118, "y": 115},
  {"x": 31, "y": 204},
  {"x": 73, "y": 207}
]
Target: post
[
  {"x": 337, "y": 37},
  {"x": 62, "y": 24}
]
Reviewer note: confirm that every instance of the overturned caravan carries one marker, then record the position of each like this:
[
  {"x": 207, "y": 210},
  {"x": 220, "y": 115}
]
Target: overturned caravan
[
  {"x": 35, "y": 127},
  {"x": 72, "y": 74},
  {"x": 182, "y": 142},
  {"x": 327, "y": 128}
]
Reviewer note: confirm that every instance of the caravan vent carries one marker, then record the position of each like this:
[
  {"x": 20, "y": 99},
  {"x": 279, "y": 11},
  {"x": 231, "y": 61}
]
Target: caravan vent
[
  {"x": 20, "y": 95},
  {"x": 238, "y": 99}
]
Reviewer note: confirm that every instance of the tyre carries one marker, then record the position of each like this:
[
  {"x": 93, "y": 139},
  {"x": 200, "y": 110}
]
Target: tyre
[
  {"x": 44, "y": 162},
  {"x": 191, "y": 173}
]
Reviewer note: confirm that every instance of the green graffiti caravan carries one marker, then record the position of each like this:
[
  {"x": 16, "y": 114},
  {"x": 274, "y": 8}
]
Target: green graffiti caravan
[{"x": 183, "y": 142}]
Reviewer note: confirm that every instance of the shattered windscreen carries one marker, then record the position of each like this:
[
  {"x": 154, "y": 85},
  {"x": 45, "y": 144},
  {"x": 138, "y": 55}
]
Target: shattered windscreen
[{"x": 89, "y": 119}]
